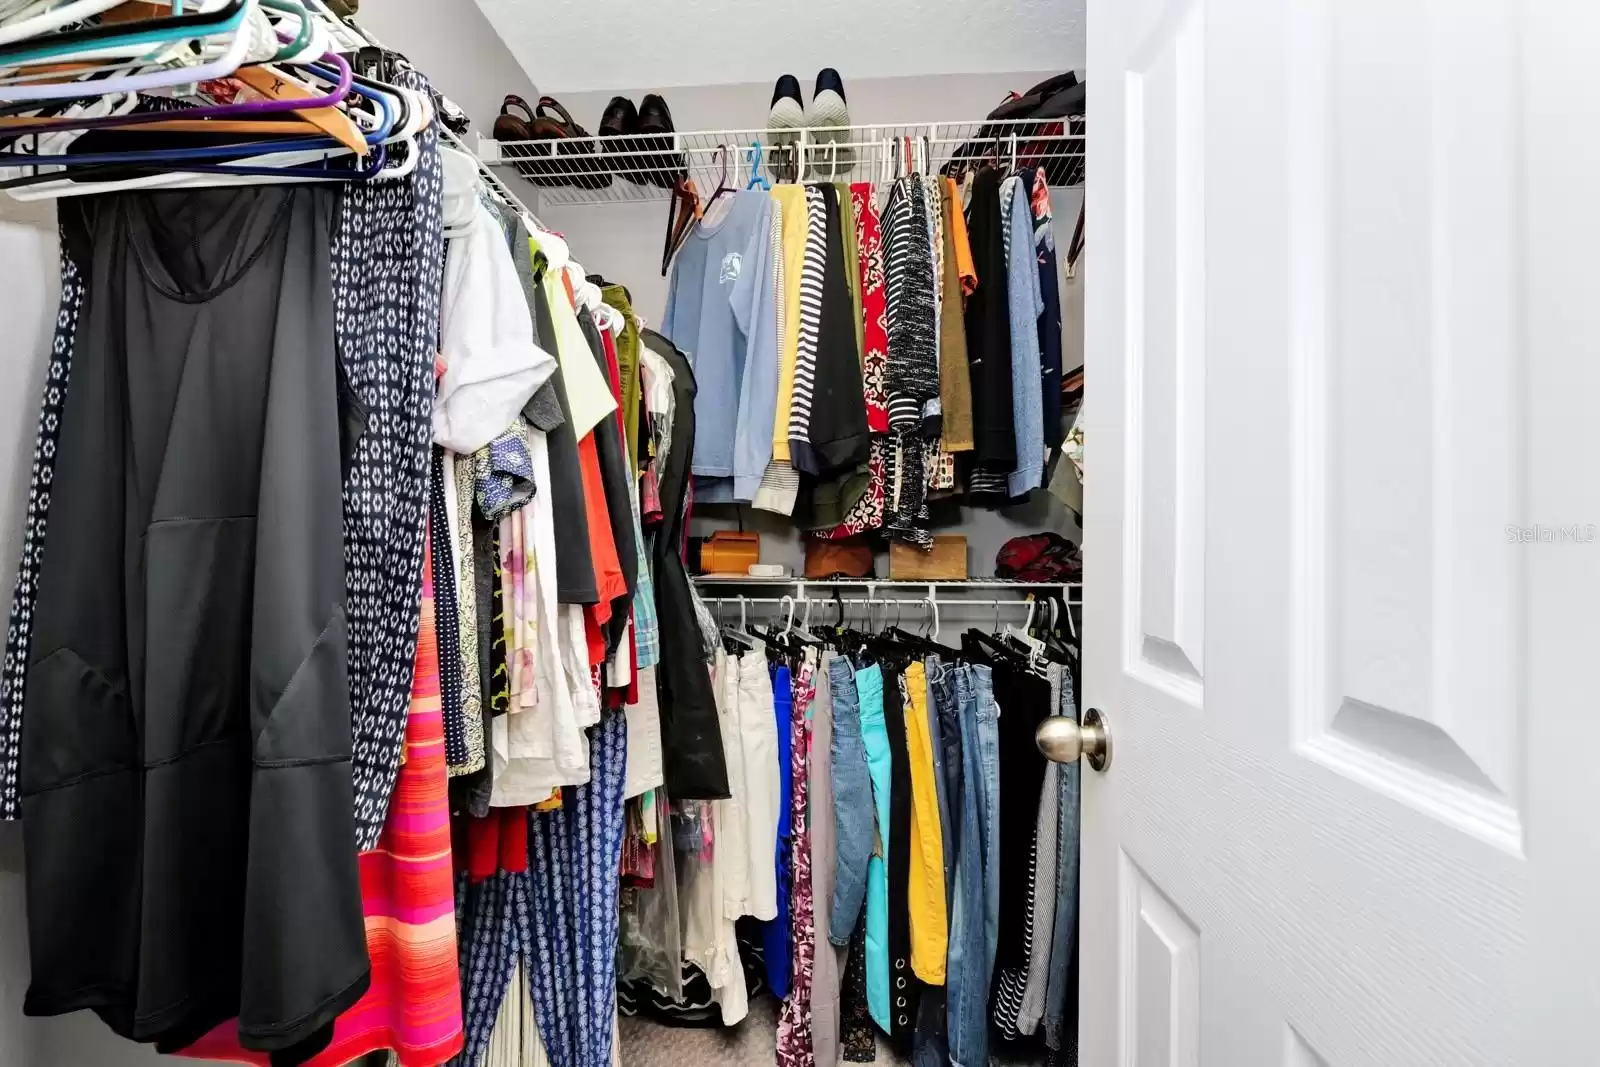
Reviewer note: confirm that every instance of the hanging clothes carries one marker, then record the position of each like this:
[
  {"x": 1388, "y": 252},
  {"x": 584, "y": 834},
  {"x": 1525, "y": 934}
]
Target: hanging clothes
[
  {"x": 413, "y": 1006},
  {"x": 955, "y": 372},
  {"x": 1026, "y": 305},
  {"x": 720, "y": 311},
  {"x": 1044, "y": 242},
  {"x": 836, "y": 433},
  {"x": 168, "y": 934},
  {"x": 696, "y": 767},
  {"x": 827, "y": 960},
  {"x": 492, "y": 366},
  {"x": 812, "y": 270},
  {"x": 388, "y": 266},
  {"x": 25, "y": 591},
  {"x": 794, "y": 1048},
  {"x": 573, "y": 879},
  {"x": 988, "y": 331}
]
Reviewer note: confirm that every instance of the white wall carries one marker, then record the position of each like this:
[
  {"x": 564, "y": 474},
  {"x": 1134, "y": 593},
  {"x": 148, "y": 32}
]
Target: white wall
[
  {"x": 612, "y": 45},
  {"x": 623, "y": 242},
  {"x": 453, "y": 44}
]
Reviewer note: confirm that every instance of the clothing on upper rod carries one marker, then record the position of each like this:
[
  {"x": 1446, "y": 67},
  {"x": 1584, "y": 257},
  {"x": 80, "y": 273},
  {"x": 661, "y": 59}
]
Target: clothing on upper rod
[{"x": 870, "y": 348}]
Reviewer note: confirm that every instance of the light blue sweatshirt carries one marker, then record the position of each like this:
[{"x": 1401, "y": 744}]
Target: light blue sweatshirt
[
  {"x": 721, "y": 313},
  {"x": 1026, "y": 304}
]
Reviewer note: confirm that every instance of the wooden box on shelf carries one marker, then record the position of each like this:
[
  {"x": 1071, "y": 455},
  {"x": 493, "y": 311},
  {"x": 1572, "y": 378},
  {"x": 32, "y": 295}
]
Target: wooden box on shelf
[{"x": 947, "y": 560}]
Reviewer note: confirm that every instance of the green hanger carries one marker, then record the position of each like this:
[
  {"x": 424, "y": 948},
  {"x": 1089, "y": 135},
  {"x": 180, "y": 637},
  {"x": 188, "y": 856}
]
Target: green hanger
[{"x": 298, "y": 45}]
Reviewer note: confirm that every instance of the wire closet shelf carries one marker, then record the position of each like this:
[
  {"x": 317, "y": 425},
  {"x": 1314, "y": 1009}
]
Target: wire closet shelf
[{"x": 631, "y": 168}]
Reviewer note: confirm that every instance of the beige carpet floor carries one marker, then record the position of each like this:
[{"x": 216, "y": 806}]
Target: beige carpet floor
[{"x": 753, "y": 1043}]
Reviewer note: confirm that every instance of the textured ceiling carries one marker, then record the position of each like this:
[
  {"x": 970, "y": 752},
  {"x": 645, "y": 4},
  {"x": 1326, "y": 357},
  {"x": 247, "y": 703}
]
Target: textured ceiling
[{"x": 579, "y": 45}]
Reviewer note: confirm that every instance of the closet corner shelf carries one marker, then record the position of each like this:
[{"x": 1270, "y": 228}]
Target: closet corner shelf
[{"x": 631, "y": 168}]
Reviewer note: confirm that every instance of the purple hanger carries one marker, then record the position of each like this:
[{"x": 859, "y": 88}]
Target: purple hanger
[{"x": 210, "y": 111}]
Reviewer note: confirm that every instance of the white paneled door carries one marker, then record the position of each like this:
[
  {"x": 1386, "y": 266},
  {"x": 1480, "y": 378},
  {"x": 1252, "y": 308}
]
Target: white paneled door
[{"x": 1343, "y": 534}]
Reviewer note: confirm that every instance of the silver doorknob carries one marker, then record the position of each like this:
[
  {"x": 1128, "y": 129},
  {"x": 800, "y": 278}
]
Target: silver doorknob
[{"x": 1062, "y": 740}]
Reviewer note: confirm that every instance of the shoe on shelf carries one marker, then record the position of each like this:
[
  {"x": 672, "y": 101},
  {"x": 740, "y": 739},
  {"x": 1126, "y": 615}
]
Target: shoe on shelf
[
  {"x": 621, "y": 119},
  {"x": 785, "y": 118},
  {"x": 657, "y": 136},
  {"x": 830, "y": 158}
]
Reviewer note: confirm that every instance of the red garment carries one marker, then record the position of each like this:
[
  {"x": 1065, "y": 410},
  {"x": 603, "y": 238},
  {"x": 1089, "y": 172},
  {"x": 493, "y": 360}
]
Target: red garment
[
  {"x": 874, "y": 308},
  {"x": 868, "y": 512},
  {"x": 497, "y": 842}
]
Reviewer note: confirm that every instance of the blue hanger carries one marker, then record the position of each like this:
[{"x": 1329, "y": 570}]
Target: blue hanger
[
  {"x": 756, "y": 177},
  {"x": 385, "y": 103}
]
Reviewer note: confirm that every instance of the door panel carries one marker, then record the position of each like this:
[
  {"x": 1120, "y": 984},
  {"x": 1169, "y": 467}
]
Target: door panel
[
  {"x": 1161, "y": 1012},
  {"x": 1309, "y": 447},
  {"x": 1404, "y": 298},
  {"x": 1166, "y": 349}
]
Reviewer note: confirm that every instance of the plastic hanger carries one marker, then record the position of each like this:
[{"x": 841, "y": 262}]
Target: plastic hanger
[
  {"x": 722, "y": 182},
  {"x": 305, "y": 29},
  {"x": 225, "y": 65},
  {"x": 260, "y": 159},
  {"x": 742, "y": 634},
  {"x": 114, "y": 33},
  {"x": 270, "y": 105},
  {"x": 338, "y": 125},
  {"x": 756, "y": 177},
  {"x": 684, "y": 197},
  {"x": 53, "y": 19},
  {"x": 789, "y": 631},
  {"x": 113, "y": 37}
]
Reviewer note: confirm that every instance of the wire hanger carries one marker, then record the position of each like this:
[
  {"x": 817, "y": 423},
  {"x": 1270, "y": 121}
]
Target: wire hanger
[{"x": 756, "y": 177}]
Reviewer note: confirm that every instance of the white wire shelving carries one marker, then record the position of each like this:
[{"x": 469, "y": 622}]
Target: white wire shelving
[
  {"x": 931, "y": 592},
  {"x": 626, "y": 168}
]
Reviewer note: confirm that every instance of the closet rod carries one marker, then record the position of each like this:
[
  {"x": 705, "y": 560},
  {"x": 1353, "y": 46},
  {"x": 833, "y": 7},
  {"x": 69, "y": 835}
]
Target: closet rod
[
  {"x": 919, "y": 601},
  {"x": 887, "y": 583}
]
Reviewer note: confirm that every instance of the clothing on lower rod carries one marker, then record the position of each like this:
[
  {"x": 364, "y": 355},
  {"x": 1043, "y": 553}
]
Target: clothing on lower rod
[
  {"x": 880, "y": 765},
  {"x": 903, "y": 984},
  {"x": 854, "y": 823},
  {"x": 975, "y": 916}
]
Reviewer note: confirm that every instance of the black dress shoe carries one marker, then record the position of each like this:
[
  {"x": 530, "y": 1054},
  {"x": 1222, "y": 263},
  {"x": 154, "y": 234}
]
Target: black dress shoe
[
  {"x": 665, "y": 164},
  {"x": 621, "y": 119}
]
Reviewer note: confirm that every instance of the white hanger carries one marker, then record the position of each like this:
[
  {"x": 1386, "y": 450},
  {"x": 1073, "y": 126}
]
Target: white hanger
[
  {"x": 259, "y": 44},
  {"x": 236, "y": 49},
  {"x": 742, "y": 634},
  {"x": 1035, "y": 646},
  {"x": 32, "y": 25}
]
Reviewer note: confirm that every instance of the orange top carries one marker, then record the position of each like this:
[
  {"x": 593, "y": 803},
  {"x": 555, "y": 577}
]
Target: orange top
[{"x": 956, "y": 221}]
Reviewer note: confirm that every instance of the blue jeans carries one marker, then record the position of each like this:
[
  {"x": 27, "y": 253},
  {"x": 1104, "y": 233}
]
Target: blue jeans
[
  {"x": 1066, "y": 923},
  {"x": 875, "y": 738},
  {"x": 945, "y": 712},
  {"x": 975, "y": 921},
  {"x": 853, "y": 819}
]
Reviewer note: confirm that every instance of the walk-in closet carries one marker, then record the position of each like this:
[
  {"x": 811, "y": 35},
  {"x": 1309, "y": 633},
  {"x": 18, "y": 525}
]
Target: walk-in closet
[{"x": 623, "y": 535}]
